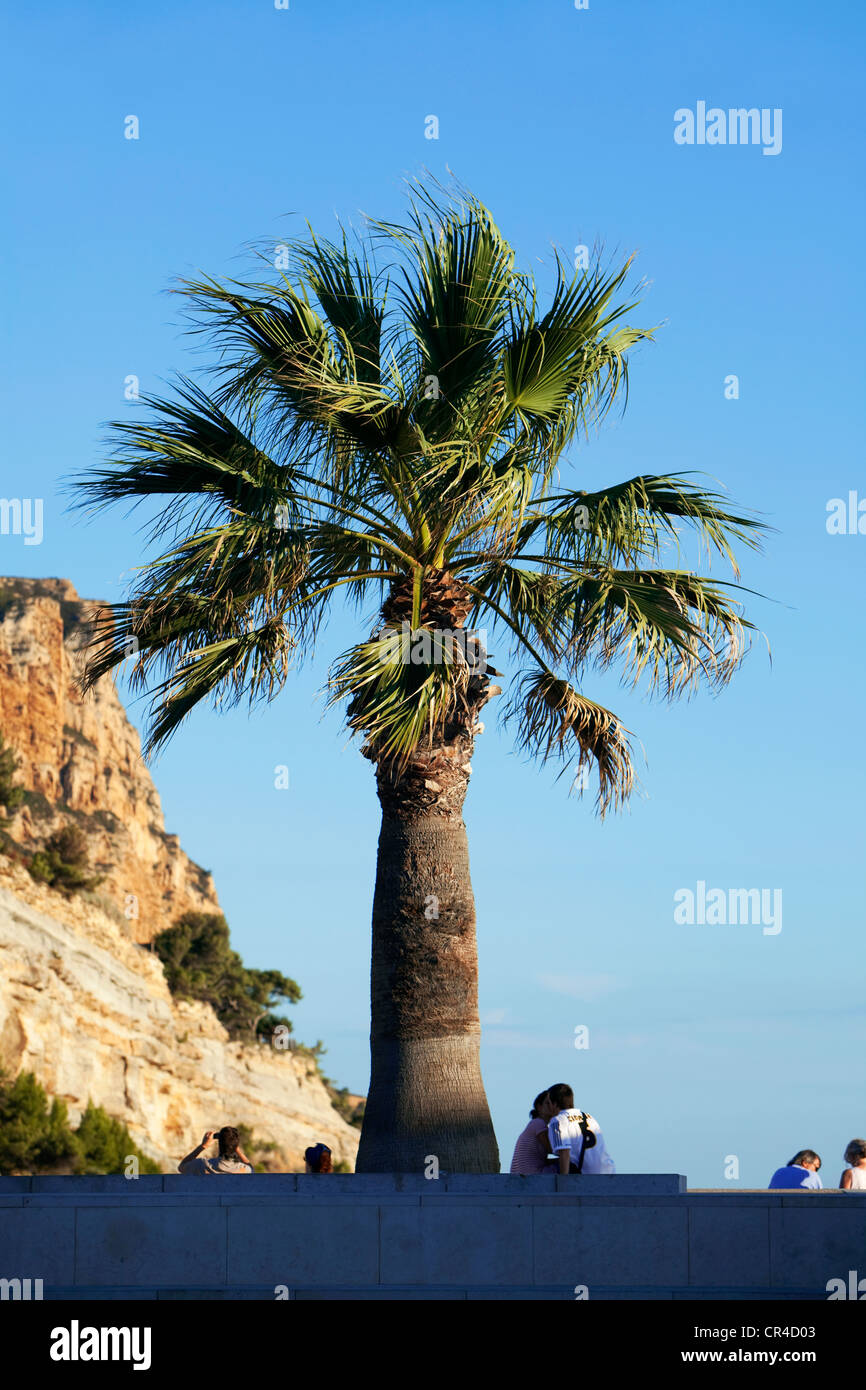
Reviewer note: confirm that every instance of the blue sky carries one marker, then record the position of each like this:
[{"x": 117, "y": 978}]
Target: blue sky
[{"x": 705, "y": 1041}]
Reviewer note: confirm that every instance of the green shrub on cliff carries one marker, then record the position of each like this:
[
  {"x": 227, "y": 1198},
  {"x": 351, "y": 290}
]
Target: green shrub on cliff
[
  {"x": 33, "y": 1135},
  {"x": 105, "y": 1145},
  {"x": 258, "y": 1151},
  {"x": 351, "y": 1110},
  {"x": 36, "y": 1136},
  {"x": 11, "y": 795},
  {"x": 199, "y": 964},
  {"x": 63, "y": 863}
]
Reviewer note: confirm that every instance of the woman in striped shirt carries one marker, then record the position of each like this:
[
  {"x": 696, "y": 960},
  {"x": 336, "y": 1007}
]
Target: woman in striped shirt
[{"x": 531, "y": 1149}]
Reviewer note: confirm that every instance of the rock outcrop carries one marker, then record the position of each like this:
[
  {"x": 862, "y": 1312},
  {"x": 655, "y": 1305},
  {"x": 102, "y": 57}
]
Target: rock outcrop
[
  {"x": 90, "y": 1013},
  {"x": 83, "y": 1003},
  {"x": 80, "y": 759}
]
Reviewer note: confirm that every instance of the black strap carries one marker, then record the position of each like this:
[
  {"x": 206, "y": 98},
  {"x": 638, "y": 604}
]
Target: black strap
[{"x": 584, "y": 1130}]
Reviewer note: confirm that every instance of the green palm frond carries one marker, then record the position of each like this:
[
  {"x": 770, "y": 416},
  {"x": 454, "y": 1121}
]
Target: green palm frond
[
  {"x": 564, "y": 365},
  {"x": 251, "y": 666},
  {"x": 352, "y": 300},
  {"x": 633, "y": 520},
  {"x": 456, "y": 293},
  {"x": 189, "y": 449},
  {"x": 277, "y": 351},
  {"x": 397, "y": 701},
  {"x": 667, "y": 625},
  {"x": 202, "y": 648},
  {"x": 530, "y": 598}
]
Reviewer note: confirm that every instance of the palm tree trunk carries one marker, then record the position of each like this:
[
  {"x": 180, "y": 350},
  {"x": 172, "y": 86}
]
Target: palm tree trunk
[{"x": 426, "y": 1099}]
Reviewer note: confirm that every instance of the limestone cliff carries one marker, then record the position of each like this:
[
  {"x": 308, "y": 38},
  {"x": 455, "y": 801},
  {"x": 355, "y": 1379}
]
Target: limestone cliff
[
  {"x": 90, "y": 1013},
  {"x": 83, "y": 1003},
  {"x": 80, "y": 759}
]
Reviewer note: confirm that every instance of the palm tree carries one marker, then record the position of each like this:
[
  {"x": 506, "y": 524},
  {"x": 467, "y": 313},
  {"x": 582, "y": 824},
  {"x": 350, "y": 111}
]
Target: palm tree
[{"x": 403, "y": 429}]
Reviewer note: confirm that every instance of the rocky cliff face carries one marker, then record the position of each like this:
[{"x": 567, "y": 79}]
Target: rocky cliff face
[
  {"x": 80, "y": 760},
  {"x": 90, "y": 1013},
  {"x": 83, "y": 1004}
]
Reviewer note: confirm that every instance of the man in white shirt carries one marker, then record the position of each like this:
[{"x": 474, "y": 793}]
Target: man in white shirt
[{"x": 574, "y": 1136}]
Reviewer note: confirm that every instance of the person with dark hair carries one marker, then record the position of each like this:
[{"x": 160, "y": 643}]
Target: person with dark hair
[
  {"x": 230, "y": 1159},
  {"x": 574, "y": 1136},
  {"x": 530, "y": 1151},
  {"x": 317, "y": 1159},
  {"x": 854, "y": 1178},
  {"x": 799, "y": 1171}
]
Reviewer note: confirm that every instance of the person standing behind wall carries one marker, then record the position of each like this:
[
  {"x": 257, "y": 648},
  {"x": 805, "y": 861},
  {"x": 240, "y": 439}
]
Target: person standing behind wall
[{"x": 575, "y": 1137}]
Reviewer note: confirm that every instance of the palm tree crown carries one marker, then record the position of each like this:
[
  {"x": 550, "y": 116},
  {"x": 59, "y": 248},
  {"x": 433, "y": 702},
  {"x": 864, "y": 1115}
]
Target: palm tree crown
[{"x": 406, "y": 430}]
